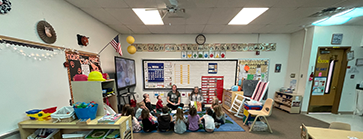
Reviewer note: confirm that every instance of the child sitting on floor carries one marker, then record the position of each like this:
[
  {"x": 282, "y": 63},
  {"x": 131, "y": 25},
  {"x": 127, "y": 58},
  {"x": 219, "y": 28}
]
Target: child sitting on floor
[
  {"x": 208, "y": 121},
  {"x": 159, "y": 104},
  {"x": 147, "y": 121},
  {"x": 193, "y": 119},
  {"x": 180, "y": 126},
  {"x": 135, "y": 124},
  {"x": 141, "y": 106},
  {"x": 124, "y": 109},
  {"x": 165, "y": 119},
  {"x": 220, "y": 118}
]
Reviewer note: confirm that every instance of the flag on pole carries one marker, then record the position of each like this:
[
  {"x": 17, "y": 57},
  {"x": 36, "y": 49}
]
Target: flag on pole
[{"x": 117, "y": 45}]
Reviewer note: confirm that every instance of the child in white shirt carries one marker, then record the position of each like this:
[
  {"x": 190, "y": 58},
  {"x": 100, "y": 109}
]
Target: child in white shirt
[{"x": 208, "y": 121}]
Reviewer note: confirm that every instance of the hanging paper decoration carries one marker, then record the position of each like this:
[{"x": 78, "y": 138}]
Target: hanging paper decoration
[
  {"x": 223, "y": 54},
  {"x": 206, "y": 54},
  {"x": 211, "y": 54},
  {"x": 5, "y": 6},
  {"x": 189, "y": 54},
  {"x": 217, "y": 54},
  {"x": 195, "y": 54},
  {"x": 184, "y": 54},
  {"x": 200, "y": 54}
]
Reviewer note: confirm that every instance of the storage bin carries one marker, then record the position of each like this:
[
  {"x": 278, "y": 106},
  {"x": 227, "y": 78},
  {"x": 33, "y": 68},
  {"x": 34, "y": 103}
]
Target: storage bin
[
  {"x": 39, "y": 131},
  {"x": 76, "y": 135},
  {"x": 259, "y": 126},
  {"x": 86, "y": 113},
  {"x": 98, "y": 134},
  {"x": 64, "y": 114}
]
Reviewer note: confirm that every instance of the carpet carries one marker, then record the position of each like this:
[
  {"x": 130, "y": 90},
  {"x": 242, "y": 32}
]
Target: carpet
[
  {"x": 229, "y": 126},
  {"x": 283, "y": 124}
]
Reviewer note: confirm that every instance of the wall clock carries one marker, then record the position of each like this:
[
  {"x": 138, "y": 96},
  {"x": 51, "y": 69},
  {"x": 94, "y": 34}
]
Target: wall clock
[{"x": 200, "y": 39}]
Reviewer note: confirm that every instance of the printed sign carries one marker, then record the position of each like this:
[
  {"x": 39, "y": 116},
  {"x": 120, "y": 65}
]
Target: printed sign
[
  {"x": 155, "y": 72},
  {"x": 319, "y": 85}
]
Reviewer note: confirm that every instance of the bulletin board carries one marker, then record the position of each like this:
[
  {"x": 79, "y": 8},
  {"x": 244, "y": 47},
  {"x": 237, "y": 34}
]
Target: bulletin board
[
  {"x": 80, "y": 63},
  {"x": 186, "y": 74},
  {"x": 253, "y": 69}
]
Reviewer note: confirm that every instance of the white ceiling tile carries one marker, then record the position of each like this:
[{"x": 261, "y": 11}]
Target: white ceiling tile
[
  {"x": 194, "y": 28},
  {"x": 223, "y": 15},
  {"x": 102, "y": 15},
  {"x": 270, "y": 28},
  {"x": 213, "y": 28},
  {"x": 232, "y": 3},
  {"x": 158, "y": 29},
  {"x": 288, "y": 29},
  {"x": 198, "y": 16},
  {"x": 231, "y": 29},
  {"x": 83, "y": 3},
  {"x": 174, "y": 21},
  {"x": 111, "y": 3},
  {"x": 176, "y": 29},
  {"x": 288, "y": 3},
  {"x": 272, "y": 14},
  {"x": 139, "y": 29},
  {"x": 320, "y": 3},
  {"x": 120, "y": 28},
  {"x": 125, "y": 16},
  {"x": 296, "y": 15},
  {"x": 250, "y": 28},
  {"x": 141, "y": 3},
  {"x": 260, "y": 3},
  {"x": 206, "y": 3},
  {"x": 351, "y": 3}
]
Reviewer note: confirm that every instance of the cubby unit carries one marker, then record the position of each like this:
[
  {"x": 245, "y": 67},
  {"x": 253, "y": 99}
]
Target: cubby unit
[{"x": 288, "y": 102}]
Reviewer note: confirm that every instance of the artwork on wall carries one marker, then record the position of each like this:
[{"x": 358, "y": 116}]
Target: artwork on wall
[
  {"x": 46, "y": 32},
  {"x": 225, "y": 47},
  {"x": 5, "y": 6},
  {"x": 252, "y": 69},
  {"x": 277, "y": 68},
  {"x": 337, "y": 39}
]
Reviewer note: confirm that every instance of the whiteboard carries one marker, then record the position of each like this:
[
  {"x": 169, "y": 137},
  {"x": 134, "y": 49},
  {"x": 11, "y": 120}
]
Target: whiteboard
[
  {"x": 29, "y": 84},
  {"x": 161, "y": 74}
]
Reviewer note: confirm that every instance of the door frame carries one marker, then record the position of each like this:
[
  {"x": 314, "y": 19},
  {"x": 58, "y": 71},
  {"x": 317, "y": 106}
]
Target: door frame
[{"x": 339, "y": 87}]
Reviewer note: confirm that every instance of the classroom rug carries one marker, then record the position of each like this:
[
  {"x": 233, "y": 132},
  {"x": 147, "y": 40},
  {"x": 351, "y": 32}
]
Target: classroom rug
[{"x": 229, "y": 126}]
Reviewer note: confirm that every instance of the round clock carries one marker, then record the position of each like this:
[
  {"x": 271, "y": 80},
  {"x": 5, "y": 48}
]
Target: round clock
[{"x": 200, "y": 39}]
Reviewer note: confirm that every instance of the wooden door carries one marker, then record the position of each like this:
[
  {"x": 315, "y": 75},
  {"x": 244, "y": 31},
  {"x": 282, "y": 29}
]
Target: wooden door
[{"x": 328, "y": 80}]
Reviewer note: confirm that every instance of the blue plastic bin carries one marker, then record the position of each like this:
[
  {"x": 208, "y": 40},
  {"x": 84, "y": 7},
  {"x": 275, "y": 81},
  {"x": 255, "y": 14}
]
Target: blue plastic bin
[{"x": 85, "y": 113}]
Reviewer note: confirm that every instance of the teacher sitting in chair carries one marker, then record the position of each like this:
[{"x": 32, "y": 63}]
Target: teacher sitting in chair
[
  {"x": 174, "y": 99},
  {"x": 196, "y": 95}
]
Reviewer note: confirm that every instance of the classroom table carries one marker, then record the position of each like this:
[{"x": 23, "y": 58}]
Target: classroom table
[
  {"x": 27, "y": 127},
  {"x": 326, "y": 133}
]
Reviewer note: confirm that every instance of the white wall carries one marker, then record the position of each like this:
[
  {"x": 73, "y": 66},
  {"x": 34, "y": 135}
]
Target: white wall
[
  {"x": 280, "y": 56},
  {"x": 352, "y": 36},
  {"x": 28, "y": 84}
]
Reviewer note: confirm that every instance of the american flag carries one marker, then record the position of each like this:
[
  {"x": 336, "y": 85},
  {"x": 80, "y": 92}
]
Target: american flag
[{"x": 117, "y": 45}]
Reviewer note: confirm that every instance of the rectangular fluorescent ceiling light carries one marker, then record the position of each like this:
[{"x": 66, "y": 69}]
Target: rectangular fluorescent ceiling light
[
  {"x": 149, "y": 17},
  {"x": 247, "y": 15}
]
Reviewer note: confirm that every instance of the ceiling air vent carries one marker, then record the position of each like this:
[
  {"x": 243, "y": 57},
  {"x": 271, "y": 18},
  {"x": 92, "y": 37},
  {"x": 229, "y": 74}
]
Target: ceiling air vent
[{"x": 328, "y": 12}]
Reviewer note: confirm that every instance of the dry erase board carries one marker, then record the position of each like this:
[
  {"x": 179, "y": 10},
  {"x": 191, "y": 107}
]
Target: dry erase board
[{"x": 162, "y": 74}]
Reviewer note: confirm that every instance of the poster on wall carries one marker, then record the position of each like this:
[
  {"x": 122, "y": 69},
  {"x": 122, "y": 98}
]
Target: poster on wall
[
  {"x": 319, "y": 86},
  {"x": 212, "y": 68},
  {"x": 79, "y": 64},
  {"x": 155, "y": 72}
]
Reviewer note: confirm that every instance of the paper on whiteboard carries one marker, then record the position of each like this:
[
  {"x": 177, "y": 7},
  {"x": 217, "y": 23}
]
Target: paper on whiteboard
[{"x": 85, "y": 69}]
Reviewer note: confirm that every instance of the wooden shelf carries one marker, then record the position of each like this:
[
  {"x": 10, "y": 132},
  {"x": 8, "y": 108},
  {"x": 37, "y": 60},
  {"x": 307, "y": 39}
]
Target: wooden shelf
[
  {"x": 291, "y": 108},
  {"x": 27, "y": 127},
  {"x": 282, "y": 103}
]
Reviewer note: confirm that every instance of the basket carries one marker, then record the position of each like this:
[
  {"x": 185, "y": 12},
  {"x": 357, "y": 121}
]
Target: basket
[
  {"x": 86, "y": 113},
  {"x": 38, "y": 131},
  {"x": 96, "y": 132},
  {"x": 76, "y": 135},
  {"x": 65, "y": 114}
]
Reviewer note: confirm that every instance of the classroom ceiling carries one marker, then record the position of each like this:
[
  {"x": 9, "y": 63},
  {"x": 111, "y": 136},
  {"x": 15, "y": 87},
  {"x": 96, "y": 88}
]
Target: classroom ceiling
[{"x": 212, "y": 16}]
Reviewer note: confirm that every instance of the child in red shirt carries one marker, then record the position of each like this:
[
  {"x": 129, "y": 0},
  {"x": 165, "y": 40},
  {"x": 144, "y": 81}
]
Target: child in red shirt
[{"x": 159, "y": 104}]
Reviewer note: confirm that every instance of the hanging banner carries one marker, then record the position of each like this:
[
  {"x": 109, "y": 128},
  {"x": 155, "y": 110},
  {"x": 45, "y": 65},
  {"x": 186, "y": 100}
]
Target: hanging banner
[
  {"x": 155, "y": 72},
  {"x": 319, "y": 86}
]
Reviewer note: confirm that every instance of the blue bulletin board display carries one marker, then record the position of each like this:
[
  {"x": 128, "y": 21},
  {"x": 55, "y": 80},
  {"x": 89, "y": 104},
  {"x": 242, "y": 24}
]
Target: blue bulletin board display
[
  {"x": 212, "y": 68},
  {"x": 155, "y": 72}
]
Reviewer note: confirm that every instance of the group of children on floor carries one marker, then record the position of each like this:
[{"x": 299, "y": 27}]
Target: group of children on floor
[{"x": 164, "y": 121}]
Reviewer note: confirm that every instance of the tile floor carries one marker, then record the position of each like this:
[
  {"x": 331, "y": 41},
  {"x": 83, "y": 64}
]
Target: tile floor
[{"x": 355, "y": 121}]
